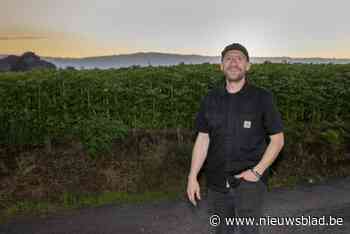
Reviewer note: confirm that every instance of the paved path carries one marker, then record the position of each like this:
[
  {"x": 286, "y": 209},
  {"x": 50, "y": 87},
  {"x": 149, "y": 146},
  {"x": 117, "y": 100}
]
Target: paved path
[{"x": 331, "y": 198}]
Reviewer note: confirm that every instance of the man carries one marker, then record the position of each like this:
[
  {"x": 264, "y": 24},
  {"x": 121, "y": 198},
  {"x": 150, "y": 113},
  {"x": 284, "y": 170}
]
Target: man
[{"x": 240, "y": 134}]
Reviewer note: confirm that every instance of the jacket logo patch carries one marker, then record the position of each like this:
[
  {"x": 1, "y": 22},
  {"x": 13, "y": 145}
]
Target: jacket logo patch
[{"x": 247, "y": 124}]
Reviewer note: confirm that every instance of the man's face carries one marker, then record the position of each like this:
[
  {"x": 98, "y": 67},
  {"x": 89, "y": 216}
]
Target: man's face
[{"x": 234, "y": 65}]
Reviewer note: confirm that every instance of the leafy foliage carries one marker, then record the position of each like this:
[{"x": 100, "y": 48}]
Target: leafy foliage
[{"x": 99, "y": 105}]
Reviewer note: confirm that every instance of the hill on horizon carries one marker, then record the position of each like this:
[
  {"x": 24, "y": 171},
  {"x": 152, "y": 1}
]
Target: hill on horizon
[{"x": 166, "y": 59}]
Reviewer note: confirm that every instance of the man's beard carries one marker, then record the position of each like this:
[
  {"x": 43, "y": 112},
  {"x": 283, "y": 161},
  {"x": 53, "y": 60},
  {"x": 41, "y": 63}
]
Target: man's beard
[{"x": 237, "y": 78}]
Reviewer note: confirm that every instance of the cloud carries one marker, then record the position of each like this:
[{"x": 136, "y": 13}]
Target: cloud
[{"x": 11, "y": 38}]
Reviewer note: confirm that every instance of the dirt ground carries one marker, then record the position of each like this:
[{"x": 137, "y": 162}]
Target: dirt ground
[{"x": 331, "y": 198}]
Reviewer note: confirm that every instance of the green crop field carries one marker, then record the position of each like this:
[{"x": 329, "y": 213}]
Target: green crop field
[{"x": 99, "y": 105}]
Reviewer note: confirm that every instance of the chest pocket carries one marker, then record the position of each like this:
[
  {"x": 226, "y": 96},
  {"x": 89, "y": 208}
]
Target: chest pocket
[
  {"x": 247, "y": 123},
  {"x": 248, "y": 129}
]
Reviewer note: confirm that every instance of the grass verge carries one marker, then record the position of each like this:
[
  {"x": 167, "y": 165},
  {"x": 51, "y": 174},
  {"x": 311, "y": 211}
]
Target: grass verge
[{"x": 72, "y": 201}]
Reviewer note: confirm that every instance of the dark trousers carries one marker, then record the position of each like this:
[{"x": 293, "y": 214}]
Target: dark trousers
[{"x": 245, "y": 200}]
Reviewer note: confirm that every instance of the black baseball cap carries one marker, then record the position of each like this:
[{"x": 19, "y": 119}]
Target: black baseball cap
[{"x": 235, "y": 46}]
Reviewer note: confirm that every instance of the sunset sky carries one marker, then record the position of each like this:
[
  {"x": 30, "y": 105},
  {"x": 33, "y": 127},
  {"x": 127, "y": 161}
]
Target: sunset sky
[{"x": 82, "y": 28}]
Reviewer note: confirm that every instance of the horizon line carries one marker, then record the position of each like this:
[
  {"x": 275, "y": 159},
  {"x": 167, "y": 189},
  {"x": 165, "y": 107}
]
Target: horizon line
[{"x": 171, "y": 53}]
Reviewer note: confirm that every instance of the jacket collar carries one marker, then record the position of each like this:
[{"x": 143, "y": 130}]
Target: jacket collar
[{"x": 223, "y": 91}]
